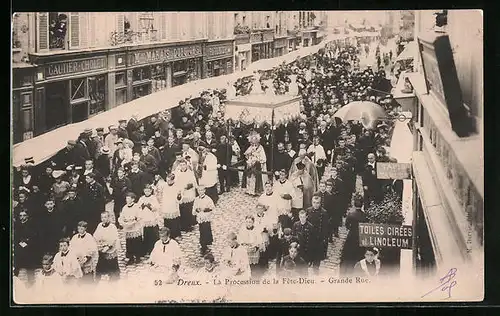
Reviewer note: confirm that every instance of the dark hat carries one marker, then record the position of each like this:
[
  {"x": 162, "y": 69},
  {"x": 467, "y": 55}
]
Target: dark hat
[
  {"x": 300, "y": 165},
  {"x": 71, "y": 142},
  {"x": 287, "y": 231},
  {"x": 85, "y": 134},
  {"x": 87, "y": 131},
  {"x": 122, "y": 121},
  {"x": 100, "y": 129},
  {"x": 119, "y": 140}
]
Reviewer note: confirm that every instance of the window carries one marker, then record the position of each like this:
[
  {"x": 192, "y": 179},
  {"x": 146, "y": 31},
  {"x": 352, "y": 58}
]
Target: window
[
  {"x": 139, "y": 74},
  {"x": 27, "y": 117},
  {"x": 78, "y": 89},
  {"x": 97, "y": 92},
  {"x": 244, "y": 21},
  {"x": 121, "y": 96},
  {"x": 120, "y": 79},
  {"x": 58, "y": 27}
]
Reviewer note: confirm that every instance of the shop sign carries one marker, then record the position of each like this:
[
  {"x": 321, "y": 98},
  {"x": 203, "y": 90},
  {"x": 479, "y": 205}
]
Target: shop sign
[
  {"x": 268, "y": 36},
  {"x": 393, "y": 170},
  {"x": 280, "y": 43},
  {"x": 256, "y": 37},
  {"x": 385, "y": 236},
  {"x": 75, "y": 66},
  {"x": 165, "y": 54},
  {"x": 219, "y": 51}
]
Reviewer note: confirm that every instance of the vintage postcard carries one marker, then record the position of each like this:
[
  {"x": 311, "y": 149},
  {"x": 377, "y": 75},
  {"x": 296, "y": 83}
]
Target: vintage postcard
[{"x": 247, "y": 157}]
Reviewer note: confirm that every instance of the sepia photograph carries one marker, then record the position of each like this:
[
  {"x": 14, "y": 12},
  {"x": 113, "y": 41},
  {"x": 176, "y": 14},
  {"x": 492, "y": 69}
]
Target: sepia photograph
[{"x": 170, "y": 157}]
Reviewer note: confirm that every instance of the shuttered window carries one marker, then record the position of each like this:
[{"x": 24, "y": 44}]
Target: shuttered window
[
  {"x": 174, "y": 30},
  {"x": 43, "y": 32},
  {"x": 92, "y": 35},
  {"x": 74, "y": 30},
  {"x": 163, "y": 25},
  {"x": 84, "y": 29}
]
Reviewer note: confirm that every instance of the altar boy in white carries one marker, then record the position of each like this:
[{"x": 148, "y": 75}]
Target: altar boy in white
[
  {"x": 166, "y": 255},
  {"x": 106, "y": 236},
  {"x": 84, "y": 246}
]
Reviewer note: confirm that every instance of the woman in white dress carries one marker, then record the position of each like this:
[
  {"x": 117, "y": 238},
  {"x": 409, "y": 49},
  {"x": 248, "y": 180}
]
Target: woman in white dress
[{"x": 256, "y": 165}]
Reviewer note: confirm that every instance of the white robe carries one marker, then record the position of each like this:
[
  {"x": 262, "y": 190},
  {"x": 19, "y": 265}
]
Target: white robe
[
  {"x": 235, "y": 263},
  {"x": 85, "y": 247},
  {"x": 68, "y": 265},
  {"x": 149, "y": 217},
  {"x": 165, "y": 256},
  {"x": 169, "y": 208},
  {"x": 209, "y": 176},
  {"x": 182, "y": 179},
  {"x": 280, "y": 189},
  {"x": 272, "y": 203},
  {"x": 107, "y": 236}
]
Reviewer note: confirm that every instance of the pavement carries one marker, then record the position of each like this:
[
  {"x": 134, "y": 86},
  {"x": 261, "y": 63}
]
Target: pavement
[{"x": 229, "y": 215}]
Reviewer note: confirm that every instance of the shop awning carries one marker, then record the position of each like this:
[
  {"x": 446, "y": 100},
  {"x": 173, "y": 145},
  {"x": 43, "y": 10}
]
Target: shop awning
[
  {"x": 409, "y": 52},
  {"x": 48, "y": 144}
]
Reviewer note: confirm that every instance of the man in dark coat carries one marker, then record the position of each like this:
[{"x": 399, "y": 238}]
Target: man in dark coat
[
  {"x": 371, "y": 186},
  {"x": 94, "y": 201},
  {"x": 304, "y": 231},
  {"x": 281, "y": 159},
  {"x": 267, "y": 142},
  {"x": 73, "y": 212},
  {"x": 122, "y": 129},
  {"x": 138, "y": 179},
  {"x": 352, "y": 252},
  {"x": 26, "y": 243},
  {"x": 132, "y": 124},
  {"x": 50, "y": 228},
  {"x": 283, "y": 245},
  {"x": 149, "y": 161},
  {"x": 318, "y": 217},
  {"x": 168, "y": 154},
  {"x": 79, "y": 152},
  {"x": 334, "y": 209},
  {"x": 224, "y": 152}
]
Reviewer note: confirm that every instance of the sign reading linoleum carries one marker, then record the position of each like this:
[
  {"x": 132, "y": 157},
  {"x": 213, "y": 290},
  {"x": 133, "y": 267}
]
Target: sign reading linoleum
[{"x": 386, "y": 236}]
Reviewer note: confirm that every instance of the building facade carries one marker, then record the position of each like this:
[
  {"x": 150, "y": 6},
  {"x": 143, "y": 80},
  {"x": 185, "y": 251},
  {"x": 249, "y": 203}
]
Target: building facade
[
  {"x": 448, "y": 170},
  {"x": 69, "y": 66}
]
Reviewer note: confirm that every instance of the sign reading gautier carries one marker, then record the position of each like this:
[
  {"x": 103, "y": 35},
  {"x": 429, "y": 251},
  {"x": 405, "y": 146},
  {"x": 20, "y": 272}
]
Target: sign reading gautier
[
  {"x": 218, "y": 51},
  {"x": 165, "y": 54},
  {"x": 75, "y": 66}
]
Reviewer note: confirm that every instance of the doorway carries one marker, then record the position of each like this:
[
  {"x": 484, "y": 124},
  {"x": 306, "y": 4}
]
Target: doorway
[
  {"x": 56, "y": 105},
  {"x": 80, "y": 112}
]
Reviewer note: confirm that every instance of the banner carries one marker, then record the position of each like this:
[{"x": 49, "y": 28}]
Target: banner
[
  {"x": 247, "y": 114},
  {"x": 387, "y": 236},
  {"x": 287, "y": 112}
]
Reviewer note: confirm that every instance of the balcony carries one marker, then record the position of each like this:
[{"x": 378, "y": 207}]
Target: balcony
[
  {"x": 241, "y": 39},
  {"x": 131, "y": 37}
]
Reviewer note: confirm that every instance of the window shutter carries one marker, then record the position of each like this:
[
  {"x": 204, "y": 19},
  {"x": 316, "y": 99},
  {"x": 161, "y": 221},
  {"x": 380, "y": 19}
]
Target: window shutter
[
  {"x": 174, "y": 30},
  {"x": 43, "y": 32},
  {"x": 74, "y": 27},
  {"x": 92, "y": 36},
  {"x": 120, "y": 22},
  {"x": 163, "y": 25},
  {"x": 211, "y": 25},
  {"x": 84, "y": 29},
  {"x": 192, "y": 25}
]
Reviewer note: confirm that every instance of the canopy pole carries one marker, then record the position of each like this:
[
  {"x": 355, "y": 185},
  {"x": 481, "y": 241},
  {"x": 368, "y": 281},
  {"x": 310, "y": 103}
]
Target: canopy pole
[{"x": 272, "y": 145}]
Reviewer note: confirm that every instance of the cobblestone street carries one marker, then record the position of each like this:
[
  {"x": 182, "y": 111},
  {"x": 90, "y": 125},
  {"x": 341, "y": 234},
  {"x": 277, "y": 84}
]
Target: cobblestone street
[{"x": 229, "y": 215}]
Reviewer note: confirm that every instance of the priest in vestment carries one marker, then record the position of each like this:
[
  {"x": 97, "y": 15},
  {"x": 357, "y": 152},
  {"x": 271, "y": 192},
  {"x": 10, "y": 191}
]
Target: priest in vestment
[
  {"x": 303, "y": 188},
  {"x": 309, "y": 168}
]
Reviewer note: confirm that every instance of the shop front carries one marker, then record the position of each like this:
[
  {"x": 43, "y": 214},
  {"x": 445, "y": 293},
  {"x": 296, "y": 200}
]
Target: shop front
[
  {"x": 243, "y": 49},
  {"x": 69, "y": 91},
  {"x": 280, "y": 46},
  {"x": 308, "y": 38},
  {"x": 158, "y": 68},
  {"x": 22, "y": 102},
  {"x": 262, "y": 44},
  {"x": 218, "y": 58}
]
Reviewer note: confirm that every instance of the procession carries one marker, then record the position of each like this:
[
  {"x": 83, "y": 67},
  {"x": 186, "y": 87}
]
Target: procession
[{"x": 203, "y": 190}]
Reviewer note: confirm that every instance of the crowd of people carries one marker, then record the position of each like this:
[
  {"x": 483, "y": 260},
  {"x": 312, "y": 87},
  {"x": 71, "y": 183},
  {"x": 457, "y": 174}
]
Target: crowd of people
[{"x": 164, "y": 176}]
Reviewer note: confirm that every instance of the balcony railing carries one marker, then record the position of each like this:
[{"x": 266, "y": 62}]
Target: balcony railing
[{"x": 131, "y": 37}]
